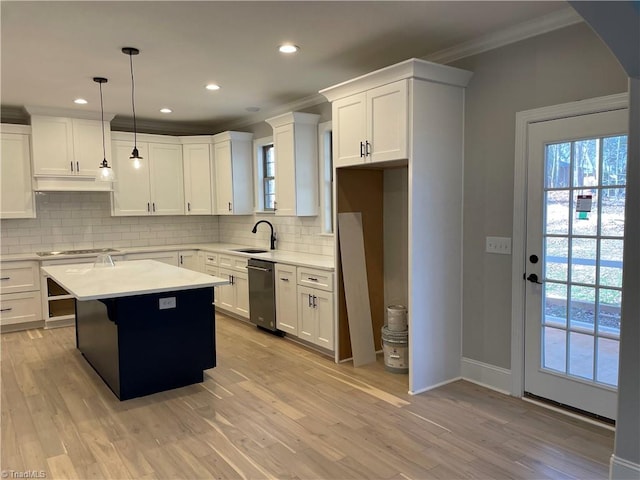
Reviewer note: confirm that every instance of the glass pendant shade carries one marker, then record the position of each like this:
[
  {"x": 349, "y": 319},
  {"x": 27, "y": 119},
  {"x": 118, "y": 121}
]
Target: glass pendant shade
[{"x": 106, "y": 172}]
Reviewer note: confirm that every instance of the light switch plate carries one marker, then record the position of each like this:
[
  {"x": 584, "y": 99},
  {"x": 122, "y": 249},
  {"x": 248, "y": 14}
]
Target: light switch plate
[
  {"x": 168, "y": 302},
  {"x": 501, "y": 245}
]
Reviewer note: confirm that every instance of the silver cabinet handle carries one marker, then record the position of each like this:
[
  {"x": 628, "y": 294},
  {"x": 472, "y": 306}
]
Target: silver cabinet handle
[
  {"x": 315, "y": 305},
  {"x": 6, "y": 309},
  {"x": 310, "y": 303}
]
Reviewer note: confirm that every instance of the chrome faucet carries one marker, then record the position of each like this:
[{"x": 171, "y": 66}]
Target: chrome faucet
[{"x": 273, "y": 235}]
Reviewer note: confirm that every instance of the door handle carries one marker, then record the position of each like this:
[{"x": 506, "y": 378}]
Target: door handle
[{"x": 533, "y": 278}]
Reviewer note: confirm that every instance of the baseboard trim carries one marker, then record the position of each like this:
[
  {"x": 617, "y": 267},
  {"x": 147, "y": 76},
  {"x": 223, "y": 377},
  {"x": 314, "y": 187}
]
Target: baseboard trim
[
  {"x": 621, "y": 469},
  {"x": 432, "y": 387},
  {"x": 486, "y": 375}
]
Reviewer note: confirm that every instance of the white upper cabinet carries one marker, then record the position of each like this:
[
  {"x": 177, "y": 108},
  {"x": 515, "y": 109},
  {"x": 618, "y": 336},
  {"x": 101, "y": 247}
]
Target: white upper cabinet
[
  {"x": 68, "y": 149},
  {"x": 372, "y": 126},
  {"x": 16, "y": 193},
  {"x": 233, "y": 185},
  {"x": 198, "y": 197},
  {"x": 157, "y": 186},
  {"x": 295, "y": 141}
]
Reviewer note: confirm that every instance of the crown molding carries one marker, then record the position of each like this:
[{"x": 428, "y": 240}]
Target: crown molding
[{"x": 531, "y": 28}]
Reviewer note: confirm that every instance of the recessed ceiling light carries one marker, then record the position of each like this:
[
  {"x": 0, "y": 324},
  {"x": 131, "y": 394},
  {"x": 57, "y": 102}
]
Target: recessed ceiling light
[
  {"x": 288, "y": 48},
  {"x": 80, "y": 101},
  {"x": 166, "y": 110},
  {"x": 212, "y": 86}
]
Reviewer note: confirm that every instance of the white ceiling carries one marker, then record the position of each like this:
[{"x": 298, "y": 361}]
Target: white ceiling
[{"x": 51, "y": 50}]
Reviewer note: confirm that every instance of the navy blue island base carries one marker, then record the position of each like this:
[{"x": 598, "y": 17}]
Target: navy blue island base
[{"x": 145, "y": 344}]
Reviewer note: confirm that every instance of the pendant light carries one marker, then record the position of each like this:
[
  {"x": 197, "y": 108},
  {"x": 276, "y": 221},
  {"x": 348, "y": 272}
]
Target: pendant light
[
  {"x": 106, "y": 172},
  {"x": 135, "y": 155}
]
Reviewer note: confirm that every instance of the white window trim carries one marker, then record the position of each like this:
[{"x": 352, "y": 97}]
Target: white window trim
[{"x": 258, "y": 185}]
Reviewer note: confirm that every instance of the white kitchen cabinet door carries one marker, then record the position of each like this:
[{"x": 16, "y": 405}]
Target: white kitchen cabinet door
[
  {"x": 349, "y": 119},
  {"x": 241, "y": 284},
  {"x": 166, "y": 179},
  {"x": 323, "y": 306},
  {"x": 191, "y": 260},
  {"x": 87, "y": 145},
  {"x": 224, "y": 178},
  {"x": 295, "y": 142},
  {"x": 233, "y": 172},
  {"x": 226, "y": 293},
  {"x": 286, "y": 299},
  {"x": 52, "y": 142},
  {"x": 372, "y": 126},
  {"x": 16, "y": 194},
  {"x": 197, "y": 179},
  {"x": 307, "y": 322},
  {"x": 285, "y": 169},
  {"x": 131, "y": 190},
  {"x": 388, "y": 122}
]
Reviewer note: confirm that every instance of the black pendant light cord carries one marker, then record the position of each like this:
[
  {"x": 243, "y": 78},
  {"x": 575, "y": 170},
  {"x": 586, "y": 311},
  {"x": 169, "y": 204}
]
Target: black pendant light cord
[
  {"x": 104, "y": 148},
  {"x": 133, "y": 104}
]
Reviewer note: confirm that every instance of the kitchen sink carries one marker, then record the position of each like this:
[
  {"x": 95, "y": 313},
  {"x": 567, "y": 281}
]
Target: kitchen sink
[{"x": 249, "y": 250}]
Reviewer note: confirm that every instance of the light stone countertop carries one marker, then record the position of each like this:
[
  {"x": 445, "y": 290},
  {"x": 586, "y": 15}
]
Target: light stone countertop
[
  {"x": 134, "y": 277},
  {"x": 322, "y": 262}
]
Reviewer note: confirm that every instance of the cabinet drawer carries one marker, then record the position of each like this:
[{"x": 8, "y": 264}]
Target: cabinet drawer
[
  {"x": 20, "y": 308},
  {"x": 211, "y": 259},
  {"x": 320, "y": 279},
  {"x": 233, "y": 262},
  {"x": 211, "y": 270},
  {"x": 19, "y": 277}
]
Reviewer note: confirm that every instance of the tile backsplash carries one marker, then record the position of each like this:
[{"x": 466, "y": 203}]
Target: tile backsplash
[{"x": 78, "y": 220}]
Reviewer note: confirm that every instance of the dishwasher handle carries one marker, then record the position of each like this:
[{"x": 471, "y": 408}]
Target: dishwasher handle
[{"x": 260, "y": 269}]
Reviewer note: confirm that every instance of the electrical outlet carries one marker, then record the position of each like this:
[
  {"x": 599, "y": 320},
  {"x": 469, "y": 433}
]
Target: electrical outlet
[
  {"x": 501, "y": 245},
  {"x": 168, "y": 302}
]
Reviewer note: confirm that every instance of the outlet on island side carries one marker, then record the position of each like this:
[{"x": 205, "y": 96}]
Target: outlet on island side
[{"x": 500, "y": 245}]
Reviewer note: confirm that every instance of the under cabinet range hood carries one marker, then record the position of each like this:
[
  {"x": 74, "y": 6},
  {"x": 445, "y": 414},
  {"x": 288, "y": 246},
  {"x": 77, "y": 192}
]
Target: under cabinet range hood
[{"x": 67, "y": 150}]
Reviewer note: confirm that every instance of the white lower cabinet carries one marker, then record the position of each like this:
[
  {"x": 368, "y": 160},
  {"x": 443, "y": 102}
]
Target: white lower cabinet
[
  {"x": 234, "y": 298},
  {"x": 315, "y": 316},
  {"x": 20, "y": 297},
  {"x": 286, "y": 299},
  {"x": 191, "y": 259}
]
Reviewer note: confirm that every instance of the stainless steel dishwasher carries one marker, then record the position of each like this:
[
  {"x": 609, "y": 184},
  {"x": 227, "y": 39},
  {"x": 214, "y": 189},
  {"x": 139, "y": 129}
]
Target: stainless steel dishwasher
[{"x": 262, "y": 294}]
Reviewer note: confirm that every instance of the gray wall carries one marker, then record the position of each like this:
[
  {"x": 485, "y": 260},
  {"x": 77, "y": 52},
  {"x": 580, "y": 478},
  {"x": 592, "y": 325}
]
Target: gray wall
[{"x": 562, "y": 66}]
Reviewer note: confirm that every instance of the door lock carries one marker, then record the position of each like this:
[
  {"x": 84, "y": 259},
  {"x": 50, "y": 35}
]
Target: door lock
[{"x": 533, "y": 278}]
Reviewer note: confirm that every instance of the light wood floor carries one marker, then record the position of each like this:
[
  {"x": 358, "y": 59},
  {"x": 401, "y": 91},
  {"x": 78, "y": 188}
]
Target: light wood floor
[{"x": 274, "y": 410}]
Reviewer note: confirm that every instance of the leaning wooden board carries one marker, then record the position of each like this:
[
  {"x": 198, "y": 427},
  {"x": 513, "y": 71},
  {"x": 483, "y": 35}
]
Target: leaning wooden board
[{"x": 356, "y": 289}]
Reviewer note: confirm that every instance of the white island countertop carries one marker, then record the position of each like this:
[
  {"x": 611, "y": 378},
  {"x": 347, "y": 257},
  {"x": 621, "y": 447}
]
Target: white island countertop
[{"x": 125, "y": 279}]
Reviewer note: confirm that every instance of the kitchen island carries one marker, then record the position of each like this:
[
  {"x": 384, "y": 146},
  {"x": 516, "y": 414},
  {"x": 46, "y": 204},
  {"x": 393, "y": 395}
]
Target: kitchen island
[{"x": 143, "y": 326}]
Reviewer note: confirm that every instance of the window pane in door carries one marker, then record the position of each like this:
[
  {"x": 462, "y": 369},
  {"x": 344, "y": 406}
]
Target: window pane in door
[
  {"x": 557, "y": 165},
  {"x": 582, "y": 307},
  {"x": 555, "y": 253},
  {"x": 583, "y": 260},
  {"x": 586, "y": 163},
  {"x": 608, "y": 350},
  {"x": 609, "y": 307},
  {"x": 614, "y": 160},
  {"x": 555, "y": 349},
  {"x": 557, "y": 212},
  {"x": 581, "y": 355},
  {"x": 611, "y": 262},
  {"x": 585, "y": 223},
  {"x": 613, "y": 213},
  {"x": 555, "y": 304}
]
